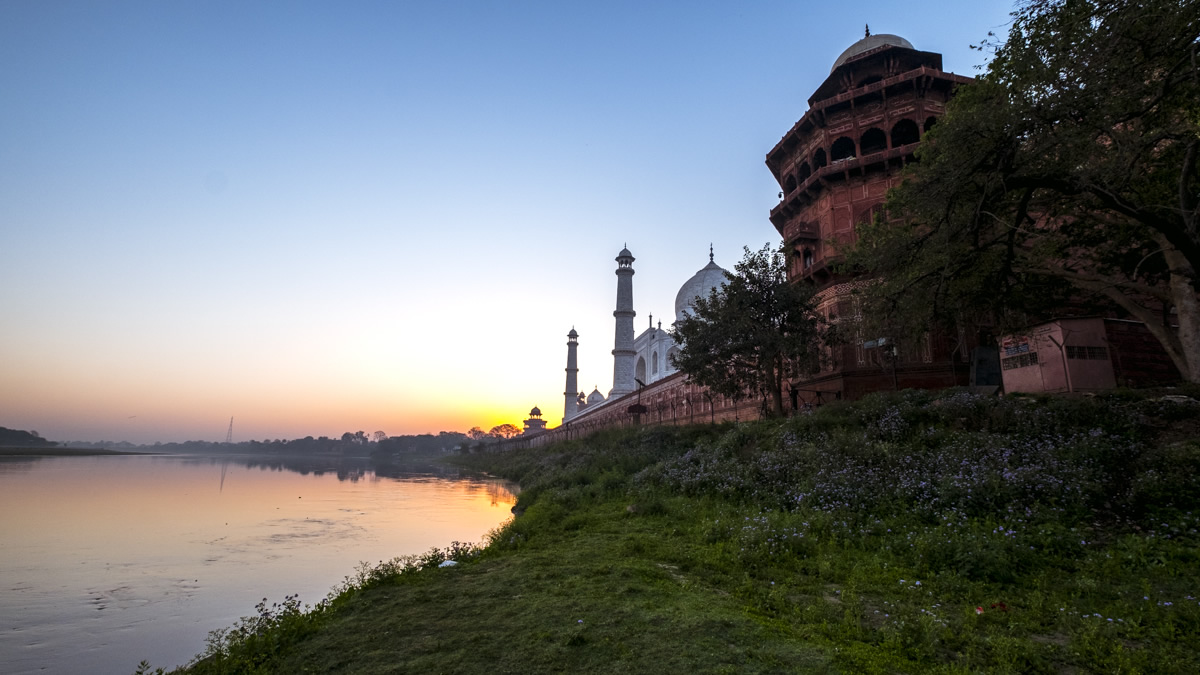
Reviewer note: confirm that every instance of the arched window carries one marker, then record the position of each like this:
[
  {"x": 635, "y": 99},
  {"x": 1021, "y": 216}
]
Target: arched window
[
  {"x": 819, "y": 159},
  {"x": 930, "y": 122},
  {"x": 640, "y": 371},
  {"x": 873, "y": 140},
  {"x": 804, "y": 172},
  {"x": 672, "y": 354},
  {"x": 808, "y": 258},
  {"x": 843, "y": 148},
  {"x": 905, "y": 132},
  {"x": 654, "y": 360},
  {"x": 789, "y": 184}
]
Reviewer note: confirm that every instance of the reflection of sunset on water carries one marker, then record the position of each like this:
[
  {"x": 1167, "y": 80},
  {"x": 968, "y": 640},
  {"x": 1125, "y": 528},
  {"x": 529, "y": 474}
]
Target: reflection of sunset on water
[{"x": 157, "y": 551}]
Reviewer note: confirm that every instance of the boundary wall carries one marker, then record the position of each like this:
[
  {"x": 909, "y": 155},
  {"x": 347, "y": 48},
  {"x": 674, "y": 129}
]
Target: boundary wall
[{"x": 673, "y": 400}]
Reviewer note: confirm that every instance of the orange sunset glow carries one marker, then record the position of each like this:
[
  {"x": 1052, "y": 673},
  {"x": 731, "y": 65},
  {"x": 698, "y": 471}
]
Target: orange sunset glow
[{"x": 391, "y": 218}]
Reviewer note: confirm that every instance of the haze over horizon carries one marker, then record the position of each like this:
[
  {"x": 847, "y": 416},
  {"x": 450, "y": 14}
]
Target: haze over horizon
[{"x": 321, "y": 219}]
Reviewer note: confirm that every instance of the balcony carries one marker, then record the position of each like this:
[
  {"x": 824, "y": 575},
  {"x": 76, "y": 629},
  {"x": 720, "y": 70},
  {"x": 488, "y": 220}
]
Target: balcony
[{"x": 820, "y": 177}]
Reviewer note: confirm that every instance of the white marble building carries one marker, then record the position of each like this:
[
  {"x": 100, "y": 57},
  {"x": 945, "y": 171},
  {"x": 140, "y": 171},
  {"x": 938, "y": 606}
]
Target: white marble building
[{"x": 646, "y": 358}]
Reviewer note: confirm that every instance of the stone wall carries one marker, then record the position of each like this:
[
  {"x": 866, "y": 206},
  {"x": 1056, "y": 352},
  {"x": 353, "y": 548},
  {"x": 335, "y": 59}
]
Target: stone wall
[{"x": 673, "y": 400}]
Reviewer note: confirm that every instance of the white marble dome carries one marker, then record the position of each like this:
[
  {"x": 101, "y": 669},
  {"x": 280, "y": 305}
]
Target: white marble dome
[
  {"x": 595, "y": 397},
  {"x": 867, "y": 44},
  {"x": 700, "y": 285}
]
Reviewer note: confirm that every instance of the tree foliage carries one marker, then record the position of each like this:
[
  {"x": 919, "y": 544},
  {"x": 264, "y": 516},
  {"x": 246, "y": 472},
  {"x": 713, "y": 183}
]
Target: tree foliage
[
  {"x": 1070, "y": 167},
  {"x": 752, "y": 334},
  {"x": 19, "y": 438},
  {"x": 504, "y": 431}
]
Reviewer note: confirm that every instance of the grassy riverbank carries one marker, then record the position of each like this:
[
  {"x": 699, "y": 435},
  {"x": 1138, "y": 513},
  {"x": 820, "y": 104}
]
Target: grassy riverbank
[{"x": 906, "y": 533}]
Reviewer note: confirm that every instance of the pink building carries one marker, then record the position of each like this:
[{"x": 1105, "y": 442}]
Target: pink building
[{"x": 1083, "y": 354}]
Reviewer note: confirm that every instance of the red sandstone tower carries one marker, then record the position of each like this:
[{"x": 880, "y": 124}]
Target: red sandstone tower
[{"x": 835, "y": 166}]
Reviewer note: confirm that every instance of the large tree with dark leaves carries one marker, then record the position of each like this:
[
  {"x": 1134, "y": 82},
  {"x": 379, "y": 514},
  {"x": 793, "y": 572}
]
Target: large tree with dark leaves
[
  {"x": 1071, "y": 162},
  {"x": 752, "y": 334}
]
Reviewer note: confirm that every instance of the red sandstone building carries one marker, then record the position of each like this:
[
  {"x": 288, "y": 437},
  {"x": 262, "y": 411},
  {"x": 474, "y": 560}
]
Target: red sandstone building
[{"x": 835, "y": 166}]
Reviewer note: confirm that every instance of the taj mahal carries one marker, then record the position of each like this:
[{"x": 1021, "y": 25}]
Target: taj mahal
[{"x": 641, "y": 360}]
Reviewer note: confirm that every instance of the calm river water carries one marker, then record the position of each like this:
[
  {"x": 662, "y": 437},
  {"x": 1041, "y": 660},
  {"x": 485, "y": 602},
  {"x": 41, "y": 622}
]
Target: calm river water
[{"x": 105, "y": 561}]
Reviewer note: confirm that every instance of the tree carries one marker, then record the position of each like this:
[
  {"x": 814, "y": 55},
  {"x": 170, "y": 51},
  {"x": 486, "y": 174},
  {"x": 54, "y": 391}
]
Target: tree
[
  {"x": 754, "y": 333},
  {"x": 476, "y": 434},
  {"x": 379, "y": 436},
  {"x": 1069, "y": 167},
  {"x": 504, "y": 431},
  {"x": 356, "y": 438},
  {"x": 18, "y": 438}
]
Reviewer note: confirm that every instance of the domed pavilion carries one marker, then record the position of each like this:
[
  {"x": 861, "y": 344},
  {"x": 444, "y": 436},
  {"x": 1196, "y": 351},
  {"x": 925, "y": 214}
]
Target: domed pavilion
[{"x": 834, "y": 168}]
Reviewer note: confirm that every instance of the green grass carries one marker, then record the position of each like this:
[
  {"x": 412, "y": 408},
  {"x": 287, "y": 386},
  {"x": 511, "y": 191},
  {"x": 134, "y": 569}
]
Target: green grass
[
  {"x": 908, "y": 533},
  {"x": 604, "y": 592}
]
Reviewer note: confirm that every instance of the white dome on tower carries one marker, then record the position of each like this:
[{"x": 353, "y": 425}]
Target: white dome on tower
[
  {"x": 700, "y": 285},
  {"x": 868, "y": 43}
]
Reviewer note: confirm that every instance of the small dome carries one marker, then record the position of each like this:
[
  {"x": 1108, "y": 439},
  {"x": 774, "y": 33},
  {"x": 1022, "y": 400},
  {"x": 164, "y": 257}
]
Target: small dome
[
  {"x": 867, "y": 44},
  {"x": 535, "y": 412},
  {"x": 595, "y": 397},
  {"x": 572, "y": 334},
  {"x": 700, "y": 285}
]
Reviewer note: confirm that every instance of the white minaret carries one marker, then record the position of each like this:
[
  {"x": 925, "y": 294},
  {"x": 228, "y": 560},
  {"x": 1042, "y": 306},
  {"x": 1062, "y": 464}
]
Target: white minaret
[
  {"x": 623, "y": 352},
  {"x": 572, "y": 392}
]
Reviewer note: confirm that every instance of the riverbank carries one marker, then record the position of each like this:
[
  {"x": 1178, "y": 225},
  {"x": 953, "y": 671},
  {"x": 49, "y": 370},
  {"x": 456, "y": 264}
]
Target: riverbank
[
  {"x": 61, "y": 452},
  {"x": 907, "y": 533}
]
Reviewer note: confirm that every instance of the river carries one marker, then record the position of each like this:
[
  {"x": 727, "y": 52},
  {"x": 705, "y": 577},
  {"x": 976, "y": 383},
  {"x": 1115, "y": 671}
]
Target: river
[{"x": 113, "y": 559}]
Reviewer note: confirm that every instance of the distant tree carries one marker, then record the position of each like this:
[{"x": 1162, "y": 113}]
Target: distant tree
[
  {"x": 754, "y": 333},
  {"x": 476, "y": 434},
  {"x": 1073, "y": 162},
  {"x": 504, "y": 431},
  {"x": 449, "y": 440},
  {"x": 355, "y": 438},
  {"x": 18, "y": 438},
  {"x": 378, "y": 436}
]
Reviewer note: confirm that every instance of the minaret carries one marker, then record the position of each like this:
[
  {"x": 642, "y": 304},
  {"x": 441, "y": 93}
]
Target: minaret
[
  {"x": 572, "y": 392},
  {"x": 623, "y": 352}
]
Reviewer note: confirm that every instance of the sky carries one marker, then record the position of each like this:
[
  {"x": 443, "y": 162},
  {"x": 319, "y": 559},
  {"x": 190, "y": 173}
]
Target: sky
[{"x": 323, "y": 217}]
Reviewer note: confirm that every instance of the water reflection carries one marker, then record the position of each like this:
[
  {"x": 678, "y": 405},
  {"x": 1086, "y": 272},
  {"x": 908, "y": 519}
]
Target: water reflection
[
  {"x": 112, "y": 559},
  {"x": 16, "y": 464},
  {"x": 344, "y": 468}
]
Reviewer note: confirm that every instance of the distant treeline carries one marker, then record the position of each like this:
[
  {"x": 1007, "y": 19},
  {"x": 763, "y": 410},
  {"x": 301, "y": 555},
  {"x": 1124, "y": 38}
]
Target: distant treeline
[
  {"x": 24, "y": 439},
  {"x": 350, "y": 443}
]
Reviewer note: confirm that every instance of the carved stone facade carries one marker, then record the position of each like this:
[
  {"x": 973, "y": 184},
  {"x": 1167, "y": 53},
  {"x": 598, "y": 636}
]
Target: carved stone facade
[{"x": 834, "y": 167}]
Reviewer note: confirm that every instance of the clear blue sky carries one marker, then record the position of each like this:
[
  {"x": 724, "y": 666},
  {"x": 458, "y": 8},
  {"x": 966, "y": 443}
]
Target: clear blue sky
[{"x": 327, "y": 217}]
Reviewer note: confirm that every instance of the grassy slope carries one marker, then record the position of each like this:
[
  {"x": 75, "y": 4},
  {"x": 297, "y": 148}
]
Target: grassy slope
[
  {"x": 902, "y": 534},
  {"x": 606, "y": 595}
]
